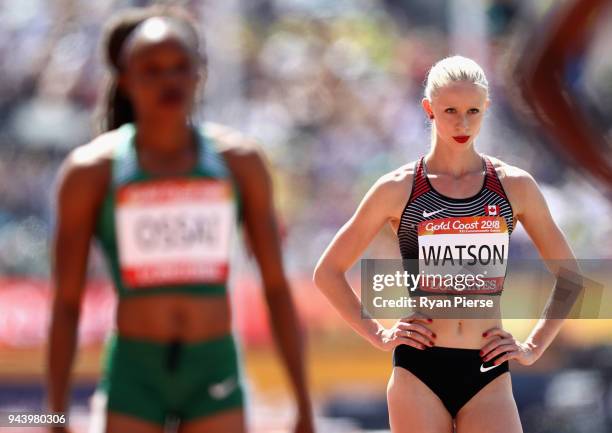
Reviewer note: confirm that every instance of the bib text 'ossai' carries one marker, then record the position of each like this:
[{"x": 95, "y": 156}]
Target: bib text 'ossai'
[{"x": 174, "y": 231}]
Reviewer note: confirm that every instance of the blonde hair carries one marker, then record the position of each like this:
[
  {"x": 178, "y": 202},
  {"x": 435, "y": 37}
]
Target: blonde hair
[{"x": 452, "y": 69}]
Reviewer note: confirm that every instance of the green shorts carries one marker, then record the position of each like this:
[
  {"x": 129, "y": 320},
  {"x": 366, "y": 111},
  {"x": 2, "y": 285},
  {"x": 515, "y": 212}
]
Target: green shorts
[{"x": 152, "y": 380}]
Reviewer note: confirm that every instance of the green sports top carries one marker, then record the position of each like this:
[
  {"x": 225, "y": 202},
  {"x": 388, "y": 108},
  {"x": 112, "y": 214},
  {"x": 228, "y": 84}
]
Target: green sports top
[{"x": 168, "y": 234}]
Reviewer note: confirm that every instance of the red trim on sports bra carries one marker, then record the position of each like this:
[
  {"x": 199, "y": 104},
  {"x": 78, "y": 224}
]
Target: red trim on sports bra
[
  {"x": 492, "y": 182},
  {"x": 419, "y": 185}
]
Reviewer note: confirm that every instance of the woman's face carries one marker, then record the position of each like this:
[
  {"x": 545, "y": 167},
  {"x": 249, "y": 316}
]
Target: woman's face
[
  {"x": 160, "y": 77},
  {"x": 458, "y": 109}
]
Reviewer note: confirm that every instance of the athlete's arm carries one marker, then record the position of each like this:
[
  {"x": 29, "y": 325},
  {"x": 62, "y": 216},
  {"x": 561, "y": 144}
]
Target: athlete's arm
[
  {"x": 533, "y": 213},
  {"x": 77, "y": 198},
  {"x": 540, "y": 75},
  {"x": 248, "y": 166},
  {"x": 377, "y": 207}
]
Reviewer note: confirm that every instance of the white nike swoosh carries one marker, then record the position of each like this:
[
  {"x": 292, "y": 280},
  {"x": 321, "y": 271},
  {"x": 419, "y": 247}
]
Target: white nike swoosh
[
  {"x": 428, "y": 214},
  {"x": 484, "y": 369},
  {"x": 222, "y": 389}
]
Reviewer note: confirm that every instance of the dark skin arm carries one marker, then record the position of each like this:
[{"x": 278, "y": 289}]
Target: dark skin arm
[
  {"x": 539, "y": 74},
  {"x": 77, "y": 199},
  {"x": 253, "y": 178}
]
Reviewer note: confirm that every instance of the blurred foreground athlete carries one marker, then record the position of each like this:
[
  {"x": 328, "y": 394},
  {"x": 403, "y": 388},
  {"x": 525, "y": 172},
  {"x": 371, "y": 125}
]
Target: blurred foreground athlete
[{"x": 162, "y": 195}]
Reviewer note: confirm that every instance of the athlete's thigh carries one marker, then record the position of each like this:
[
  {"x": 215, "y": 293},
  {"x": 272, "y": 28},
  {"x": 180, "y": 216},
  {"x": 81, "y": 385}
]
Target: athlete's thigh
[
  {"x": 228, "y": 421},
  {"x": 120, "y": 423},
  {"x": 413, "y": 407},
  {"x": 492, "y": 410}
]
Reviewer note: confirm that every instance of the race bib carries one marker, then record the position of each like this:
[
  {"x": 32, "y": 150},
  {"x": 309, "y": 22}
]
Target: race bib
[
  {"x": 465, "y": 255},
  {"x": 174, "y": 231}
]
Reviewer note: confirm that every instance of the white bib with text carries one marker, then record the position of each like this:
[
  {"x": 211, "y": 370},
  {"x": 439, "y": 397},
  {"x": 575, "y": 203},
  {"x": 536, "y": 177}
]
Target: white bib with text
[
  {"x": 463, "y": 254},
  {"x": 174, "y": 231}
]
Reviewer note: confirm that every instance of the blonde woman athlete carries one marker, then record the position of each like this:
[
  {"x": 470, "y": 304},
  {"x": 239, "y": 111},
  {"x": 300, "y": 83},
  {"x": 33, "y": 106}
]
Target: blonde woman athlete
[{"x": 447, "y": 373}]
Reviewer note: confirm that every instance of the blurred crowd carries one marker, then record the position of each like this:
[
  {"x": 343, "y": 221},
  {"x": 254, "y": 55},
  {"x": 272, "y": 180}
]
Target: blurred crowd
[{"x": 330, "y": 88}]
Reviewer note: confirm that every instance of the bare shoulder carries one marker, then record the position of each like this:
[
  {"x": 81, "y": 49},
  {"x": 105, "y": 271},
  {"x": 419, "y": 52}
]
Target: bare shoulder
[
  {"x": 519, "y": 184},
  {"x": 231, "y": 142},
  {"x": 244, "y": 157},
  {"x": 88, "y": 166},
  {"x": 511, "y": 176},
  {"x": 398, "y": 181},
  {"x": 97, "y": 151},
  {"x": 392, "y": 190}
]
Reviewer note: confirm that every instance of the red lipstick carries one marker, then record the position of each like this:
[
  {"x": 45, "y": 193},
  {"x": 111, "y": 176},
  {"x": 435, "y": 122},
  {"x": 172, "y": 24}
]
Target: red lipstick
[{"x": 461, "y": 138}]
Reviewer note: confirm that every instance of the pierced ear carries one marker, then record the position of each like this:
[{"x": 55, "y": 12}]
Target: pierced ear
[{"x": 426, "y": 104}]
